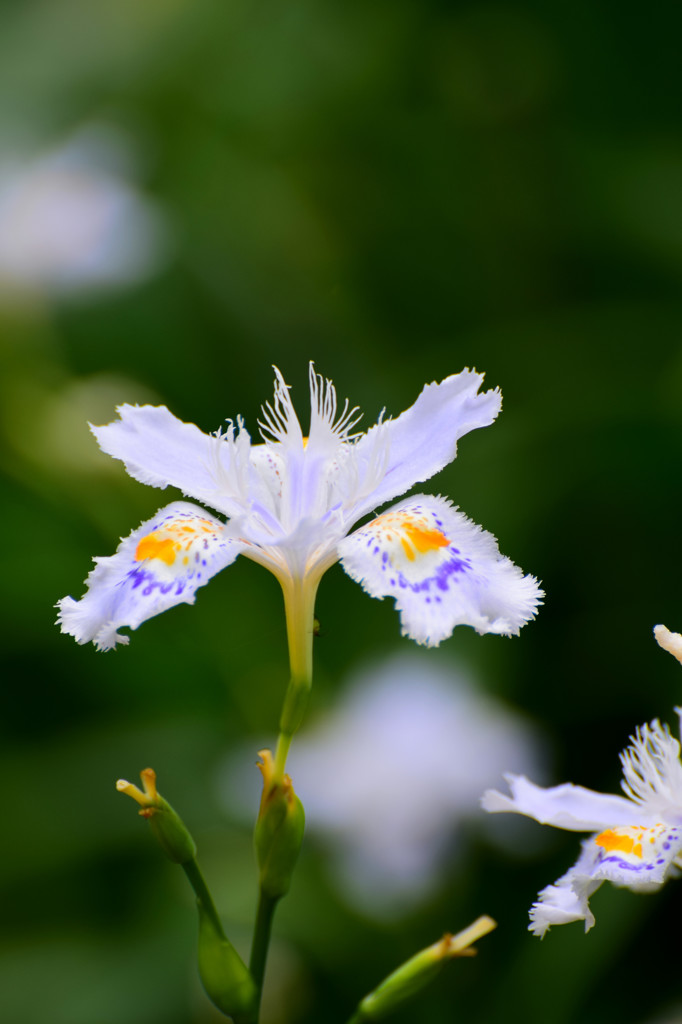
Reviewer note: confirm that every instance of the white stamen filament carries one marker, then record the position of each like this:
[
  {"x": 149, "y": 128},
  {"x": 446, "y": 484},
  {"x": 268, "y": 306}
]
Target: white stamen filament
[
  {"x": 231, "y": 473},
  {"x": 323, "y": 410},
  {"x": 279, "y": 418},
  {"x": 652, "y": 773}
]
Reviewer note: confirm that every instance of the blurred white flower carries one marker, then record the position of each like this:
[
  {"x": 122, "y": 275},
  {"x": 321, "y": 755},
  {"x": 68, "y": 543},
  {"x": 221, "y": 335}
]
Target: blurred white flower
[
  {"x": 71, "y": 222},
  {"x": 388, "y": 777}
]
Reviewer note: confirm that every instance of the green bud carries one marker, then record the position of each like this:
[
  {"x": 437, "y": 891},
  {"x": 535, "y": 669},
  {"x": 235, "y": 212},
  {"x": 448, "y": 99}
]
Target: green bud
[
  {"x": 279, "y": 830},
  {"x": 417, "y": 972},
  {"x": 224, "y": 975},
  {"x": 165, "y": 823}
]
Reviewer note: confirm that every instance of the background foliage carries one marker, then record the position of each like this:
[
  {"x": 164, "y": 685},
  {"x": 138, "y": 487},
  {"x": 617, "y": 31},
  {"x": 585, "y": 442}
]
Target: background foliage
[{"x": 395, "y": 190}]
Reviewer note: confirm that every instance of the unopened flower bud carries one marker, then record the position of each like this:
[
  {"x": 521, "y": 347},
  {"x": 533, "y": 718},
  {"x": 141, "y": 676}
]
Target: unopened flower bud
[
  {"x": 417, "y": 972},
  {"x": 224, "y": 975},
  {"x": 165, "y": 823},
  {"x": 279, "y": 830}
]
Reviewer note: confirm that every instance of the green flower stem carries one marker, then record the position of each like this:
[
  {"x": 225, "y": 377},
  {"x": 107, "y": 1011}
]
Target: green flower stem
[
  {"x": 418, "y": 971},
  {"x": 283, "y": 743},
  {"x": 299, "y": 605},
  {"x": 196, "y": 880},
  {"x": 261, "y": 940}
]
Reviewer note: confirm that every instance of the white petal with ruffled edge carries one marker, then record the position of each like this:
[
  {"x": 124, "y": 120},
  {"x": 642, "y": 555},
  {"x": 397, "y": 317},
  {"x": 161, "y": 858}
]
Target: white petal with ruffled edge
[
  {"x": 441, "y": 569},
  {"x": 397, "y": 454},
  {"x": 567, "y": 899},
  {"x": 567, "y": 806},
  {"x": 160, "y": 450},
  {"x": 162, "y": 563},
  {"x": 633, "y": 856}
]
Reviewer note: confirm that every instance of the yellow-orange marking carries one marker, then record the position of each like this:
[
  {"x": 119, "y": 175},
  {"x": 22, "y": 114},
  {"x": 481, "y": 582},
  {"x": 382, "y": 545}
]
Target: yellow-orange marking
[
  {"x": 614, "y": 840},
  {"x": 415, "y": 536},
  {"x": 421, "y": 540},
  {"x": 165, "y": 542},
  {"x": 153, "y": 546}
]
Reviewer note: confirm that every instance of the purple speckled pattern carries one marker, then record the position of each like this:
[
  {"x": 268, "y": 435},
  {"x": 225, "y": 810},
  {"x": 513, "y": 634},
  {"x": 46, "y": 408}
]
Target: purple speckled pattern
[
  {"x": 150, "y": 574},
  {"x": 652, "y": 851},
  {"x": 159, "y": 565},
  {"x": 439, "y": 581},
  {"x": 441, "y": 569}
]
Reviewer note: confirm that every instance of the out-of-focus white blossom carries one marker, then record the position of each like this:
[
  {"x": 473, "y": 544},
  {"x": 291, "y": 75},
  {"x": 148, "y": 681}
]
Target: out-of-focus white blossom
[
  {"x": 71, "y": 222},
  {"x": 389, "y": 775}
]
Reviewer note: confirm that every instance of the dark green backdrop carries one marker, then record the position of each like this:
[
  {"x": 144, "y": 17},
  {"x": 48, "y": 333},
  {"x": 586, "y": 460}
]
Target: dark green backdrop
[{"x": 395, "y": 190}]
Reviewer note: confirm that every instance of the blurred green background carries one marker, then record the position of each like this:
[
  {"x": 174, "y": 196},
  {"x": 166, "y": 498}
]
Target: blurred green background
[{"x": 192, "y": 191}]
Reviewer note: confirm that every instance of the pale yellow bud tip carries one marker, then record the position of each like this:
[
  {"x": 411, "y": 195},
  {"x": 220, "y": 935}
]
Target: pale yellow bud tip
[
  {"x": 146, "y": 798},
  {"x": 148, "y": 776},
  {"x": 671, "y": 642},
  {"x": 458, "y": 945},
  {"x": 123, "y": 786}
]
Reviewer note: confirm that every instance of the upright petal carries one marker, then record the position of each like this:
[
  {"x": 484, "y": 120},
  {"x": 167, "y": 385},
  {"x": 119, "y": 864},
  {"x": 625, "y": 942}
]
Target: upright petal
[
  {"x": 159, "y": 449},
  {"x": 441, "y": 569},
  {"x": 161, "y": 564},
  {"x": 566, "y": 806},
  {"x": 423, "y": 439}
]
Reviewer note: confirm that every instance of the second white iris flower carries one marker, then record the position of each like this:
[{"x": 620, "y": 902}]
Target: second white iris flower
[{"x": 637, "y": 838}]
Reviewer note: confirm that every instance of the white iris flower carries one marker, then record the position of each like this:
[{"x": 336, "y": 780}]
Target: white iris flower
[
  {"x": 637, "y": 839},
  {"x": 290, "y": 503}
]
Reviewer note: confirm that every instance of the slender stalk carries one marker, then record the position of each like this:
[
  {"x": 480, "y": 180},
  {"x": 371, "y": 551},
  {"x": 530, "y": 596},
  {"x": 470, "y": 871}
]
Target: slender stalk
[
  {"x": 283, "y": 744},
  {"x": 299, "y": 605},
  {"x": 261, "y": 939},
  {"x": 196, "y": 880}
]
